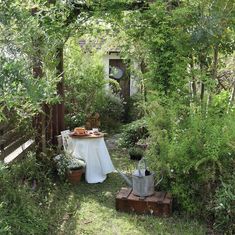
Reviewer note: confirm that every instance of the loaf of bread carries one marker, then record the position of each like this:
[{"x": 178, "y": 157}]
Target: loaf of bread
[{"x": 80, "y": 130}]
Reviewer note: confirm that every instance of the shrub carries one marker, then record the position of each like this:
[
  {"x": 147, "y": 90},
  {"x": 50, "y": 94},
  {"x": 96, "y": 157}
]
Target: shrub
[
  {"x": 136, "y": 153},
  {"x": 194, "y": 151},
  {"x": 133, "y": 132},
  {"x": 19, "y": 196},
  {"x": 135, "y": 107},
  {"x": 114, "y": 86},
  {"x": 31, "y": 201},
  {"x": 224, "y": 206},
  {"x": 66, "y": 161},
  {"x": 111, "y": 111},
  {"x": 84, "y": 84}
]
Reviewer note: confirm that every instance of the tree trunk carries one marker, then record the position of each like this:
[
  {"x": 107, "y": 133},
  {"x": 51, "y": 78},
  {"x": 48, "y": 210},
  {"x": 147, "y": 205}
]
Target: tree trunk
[
  {"x": 213, "y": 75},
  {"x": 215, "y": 62},
  {"x": 50, "y": 122},
  {"x": 194, "y": 86},
  {"x": 58, "y": 109},
  {"x": 202, "y": 67},
  {"x": 38, "y": 122},
  {"x": 232, "y": 97},
  {"x": 143, "y": 69}
]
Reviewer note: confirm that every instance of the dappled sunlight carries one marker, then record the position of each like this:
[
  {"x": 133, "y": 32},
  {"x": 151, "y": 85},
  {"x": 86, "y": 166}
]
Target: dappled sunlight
[
  {"x": 94, "y": 87},
  {"x": 97, "y": 214}
]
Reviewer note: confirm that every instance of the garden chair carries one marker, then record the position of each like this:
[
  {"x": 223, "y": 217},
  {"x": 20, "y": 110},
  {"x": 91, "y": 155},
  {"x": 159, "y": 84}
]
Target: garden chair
[
  {"x": 59, "y": 143},
  {"x": 66, "y": 139}
]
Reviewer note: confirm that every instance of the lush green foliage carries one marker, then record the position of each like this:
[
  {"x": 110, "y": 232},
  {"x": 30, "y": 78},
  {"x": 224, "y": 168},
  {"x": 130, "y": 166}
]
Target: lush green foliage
[
  {"x": 29, "y": 41},
  {"x": 21, "y": 196},
  {"x": 133, "y": 132},
  {"x": 111, "y": 111},
  {"x": 135, "y": 107},
  {"x": 181, "y": 48},
  {"x": 86, "y": 91},
  {"x": 22, "y": 94},
  {"x": 84, "y": 81},
  {"x": 66, "y": 161},
  {"x": 223, "y": 206},
  {"x": 193, "y": 150},
  {"x": 54, "y": 207},
  {"x": 136, "y": 153}
]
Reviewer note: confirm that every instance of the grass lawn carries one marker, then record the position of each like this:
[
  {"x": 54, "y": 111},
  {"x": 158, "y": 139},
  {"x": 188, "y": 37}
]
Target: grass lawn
[{"x": 90, "y": 209}]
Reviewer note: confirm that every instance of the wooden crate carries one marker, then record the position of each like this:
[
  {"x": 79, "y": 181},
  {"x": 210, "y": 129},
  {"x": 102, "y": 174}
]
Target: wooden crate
[{"x": 159, "y": 204}]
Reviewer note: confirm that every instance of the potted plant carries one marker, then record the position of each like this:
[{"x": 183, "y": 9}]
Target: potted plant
[
  {"x": 136, "y": 153},
  {"x": 70, "y": 167}
]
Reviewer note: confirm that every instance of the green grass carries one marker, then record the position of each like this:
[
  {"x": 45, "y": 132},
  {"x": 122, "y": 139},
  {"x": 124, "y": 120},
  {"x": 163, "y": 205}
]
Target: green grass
[
  {"x": 58, "y": 208},
  {"x": 96, "y": 214}
]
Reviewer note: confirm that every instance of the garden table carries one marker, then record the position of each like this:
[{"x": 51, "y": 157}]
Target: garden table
[{"x": 92, "y": 149}]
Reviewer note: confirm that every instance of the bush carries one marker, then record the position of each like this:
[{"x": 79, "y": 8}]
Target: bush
[
  {"x": 135, "y": 108},
  {"x": 194, "y": 151},
  {"x": 84, "y": 84},
  {"x": 114, "y": 86},
  {"x": 20, "y": 197},
  {"x": 224, "y": 206},
  {"x": 32, "y": 201},
  {"x": 136, "y": 153},
  {"x": 111, "y": 111},
  {"x": 133, "y": 132}
]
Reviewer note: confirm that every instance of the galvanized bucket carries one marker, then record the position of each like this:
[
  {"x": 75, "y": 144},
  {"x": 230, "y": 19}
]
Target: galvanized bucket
[{"x": 143, "y": 185}]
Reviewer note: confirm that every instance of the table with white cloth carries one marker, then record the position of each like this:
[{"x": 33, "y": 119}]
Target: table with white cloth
[{"x": 93, "y": 150}]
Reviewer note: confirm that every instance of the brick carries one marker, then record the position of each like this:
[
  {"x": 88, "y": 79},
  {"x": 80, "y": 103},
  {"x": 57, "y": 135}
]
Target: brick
[{"x": 159, "y": 204}]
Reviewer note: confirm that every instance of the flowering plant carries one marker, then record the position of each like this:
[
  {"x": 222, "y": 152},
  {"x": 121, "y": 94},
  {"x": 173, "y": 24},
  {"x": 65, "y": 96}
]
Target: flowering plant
[{"x": 66, "y": 161}]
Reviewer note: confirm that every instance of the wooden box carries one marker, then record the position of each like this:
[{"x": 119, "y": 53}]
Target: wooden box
[{"x": 159, "y": 204}]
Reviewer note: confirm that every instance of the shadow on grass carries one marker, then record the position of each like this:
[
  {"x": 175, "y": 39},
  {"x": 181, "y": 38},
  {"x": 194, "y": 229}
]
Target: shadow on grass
[
  {"x": 58, "y": 208},
  {"x": 93, "y": 211}
]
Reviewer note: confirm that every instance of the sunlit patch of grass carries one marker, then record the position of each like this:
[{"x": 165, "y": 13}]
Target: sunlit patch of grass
[
  {"x": 59, "y": 208},
  {"x": 97, "y": 214}
]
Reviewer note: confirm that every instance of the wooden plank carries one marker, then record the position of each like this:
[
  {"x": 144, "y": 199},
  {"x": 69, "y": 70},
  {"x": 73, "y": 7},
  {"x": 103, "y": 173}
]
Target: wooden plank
[
  {"x": 2, "y": 156},
  {"x": 24, "y": 153},
  {"x": 20, "y": 152},
  {"x": 157, "y": 197},
  {"x": 14, "y": 145},
  {"x": 167, "y": 205}
]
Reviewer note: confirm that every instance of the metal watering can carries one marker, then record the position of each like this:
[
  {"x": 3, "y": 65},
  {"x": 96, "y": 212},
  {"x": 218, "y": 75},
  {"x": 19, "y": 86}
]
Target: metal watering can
[{"x": 142, "y": 182}]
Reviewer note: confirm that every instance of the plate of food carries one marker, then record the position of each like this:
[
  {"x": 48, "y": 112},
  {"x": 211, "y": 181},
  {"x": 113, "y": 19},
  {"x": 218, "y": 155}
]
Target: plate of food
[{"x": 79, "y": 134}]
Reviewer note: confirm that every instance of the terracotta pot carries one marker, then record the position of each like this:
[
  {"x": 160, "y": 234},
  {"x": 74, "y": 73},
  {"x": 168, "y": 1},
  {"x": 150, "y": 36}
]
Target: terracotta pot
[{"x": 74, "y": 176}]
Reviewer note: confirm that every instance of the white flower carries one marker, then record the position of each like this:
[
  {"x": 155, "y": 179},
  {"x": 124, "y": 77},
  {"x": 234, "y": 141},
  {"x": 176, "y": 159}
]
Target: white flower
[{"x": 67, "y": 161}]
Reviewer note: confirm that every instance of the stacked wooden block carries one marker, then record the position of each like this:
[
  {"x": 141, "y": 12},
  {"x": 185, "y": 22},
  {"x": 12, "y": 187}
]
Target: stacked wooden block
[{"x": 159, "y": 204}]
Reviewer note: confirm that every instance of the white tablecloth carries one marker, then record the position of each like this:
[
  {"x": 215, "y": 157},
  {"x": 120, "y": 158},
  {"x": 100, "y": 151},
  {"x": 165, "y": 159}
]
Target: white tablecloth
[{"x": 96, "y": 156}]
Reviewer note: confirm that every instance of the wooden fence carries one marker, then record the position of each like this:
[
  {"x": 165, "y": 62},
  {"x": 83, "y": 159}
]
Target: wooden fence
[{"x": 14, "y": 143}]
